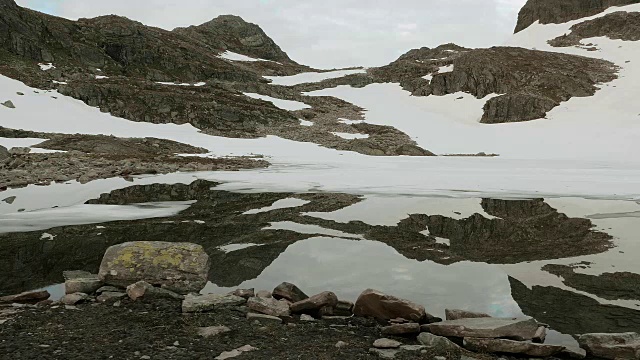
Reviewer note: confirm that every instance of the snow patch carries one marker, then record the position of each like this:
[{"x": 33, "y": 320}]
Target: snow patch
[
  {"x": 280, "y": 204},
  {"x": 311, "y": 77},
  {"x": 445, "y": 69},
  {"x": 228, "y": 55},
  {"x": 306, "y": 123},
  {"x": 350, "y": 136},
  {"x": 45, "y": 67},
  {"x": 282, "y": 104},
  {"x": 350, "y": 122},
  {"x": 100, "y": 77}
]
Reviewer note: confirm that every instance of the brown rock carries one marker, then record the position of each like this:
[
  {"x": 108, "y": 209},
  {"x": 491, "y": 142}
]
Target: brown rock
[
  {"x": 144, "y": 289},
  {"x": 518, "y": 329},
  {"x": 263, "y": 294},
  {"x": 401, "y": 329},
  {"x": 315, "y": 303},
  {"x": 244, "y": 293},
  {"x": 289, "y": 292},
  {"x": 612, "y": 346},
  {"x": 386, "y": 344},
  {"x": 463, "y": 314},
  {"x": 343, "y": 308},
  {"x": 373, "y": 303},
  {"x": 72, "y": 299},
  {"x": 29, "y": 297}
]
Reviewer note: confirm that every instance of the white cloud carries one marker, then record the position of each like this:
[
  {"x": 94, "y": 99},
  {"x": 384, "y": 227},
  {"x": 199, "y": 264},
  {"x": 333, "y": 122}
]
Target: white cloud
[{"x": 330, "y": 33}]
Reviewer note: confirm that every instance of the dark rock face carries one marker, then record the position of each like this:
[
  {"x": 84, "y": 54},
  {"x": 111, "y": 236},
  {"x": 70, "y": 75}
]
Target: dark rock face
[
  {"x": 229, "y": 32},
  {"x": 571, "y": 313},
  {"x": 610, "y": 286},
  {"x": 516, "y": 108},
  {"x": 4, "y": 153},
  {"x": 524, "y": 230},
  {"x": 618, "y": 25},
  {"x": 560, "y": 11}
]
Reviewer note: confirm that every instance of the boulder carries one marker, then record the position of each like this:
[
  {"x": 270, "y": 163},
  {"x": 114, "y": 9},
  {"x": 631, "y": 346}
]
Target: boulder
[
  {"x": 373, "y": 303},
  {"x": 541, "y": 335},
  {"x": 612, "y": 346},
  {"x": 178, "y": 267},
  {"x": 9, "y": 104},
  {"x": 19, "y": 150},
  {"x": 29, "y": 297},
  {"x": 438, "y": 344},
  {"x": 81, "y": 282},
  {"x": 485, "y": 345},
  {"x": 573, "y": 353},
  {"x": 343, "y": 308},
  {"x": 386, "y": 344},
  {"x": 203, "y": 303},
  {"x": 143, "y": 289},
  {"x": 72, "y": 299},
  {"x": 463, "y": 314},
  {"x": 269, "y": 306},
  {"x": 315, "y": 303},
  {"x": 264, "y": 319},
  {"x": 401, "y": 329},
  {"x": 264, "y": 294},
  {"x": 511, "y": 328},
  {"x": 4, "y": 153},
  {"x": 210, "y": 331},
  {"x": 244, "y": 293},
  {"x": 289, "y": 292},
  {"x": 110, "y": 296}
]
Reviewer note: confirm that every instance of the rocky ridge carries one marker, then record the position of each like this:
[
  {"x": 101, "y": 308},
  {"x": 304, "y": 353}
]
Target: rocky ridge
[
  {"x": 560, "y": 11},
  {"x": 620, "y": 25}
]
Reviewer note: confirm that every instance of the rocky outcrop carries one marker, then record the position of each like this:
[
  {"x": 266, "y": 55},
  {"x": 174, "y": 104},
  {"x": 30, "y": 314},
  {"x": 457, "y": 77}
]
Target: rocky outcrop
[
  {"x": 505, "y": 346},
  {"x": 229, "y": 32},
  {"x": 4, "y": 153},
  {"x": 610, "y": 286},
  {"x": 561, "y": 11},
  {"x": 518, "y": 329},
  {"x": 516, "y": 108},
  {"x": 619, "y": 25},
  {"x": 178, "y": 267},
  {"x": 612, "y": 346}
]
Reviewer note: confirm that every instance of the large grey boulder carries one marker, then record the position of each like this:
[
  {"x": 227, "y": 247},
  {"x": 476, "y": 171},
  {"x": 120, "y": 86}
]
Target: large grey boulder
[
  {"x": 269, "y": 306},
  {"x": 612, "y": 346},
  {"x": 4, "y": 153},
  {"x": 438, "y": 345},
  {"x": 517, "y": 329},
  {"x": 315, "y": 303},
  {"x": 179, "y": 267},
  {"x": 373, "y": 303},
  {"x": 511, "y": 347},
  {"x": 203, "y": 303}
]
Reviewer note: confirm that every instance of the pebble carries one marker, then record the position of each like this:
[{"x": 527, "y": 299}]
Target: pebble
[
  {"x": 386, "y": 344},
  {"x": 341, "y": 344}
]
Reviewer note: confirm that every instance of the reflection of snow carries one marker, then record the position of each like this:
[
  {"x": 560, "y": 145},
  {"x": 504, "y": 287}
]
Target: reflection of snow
[
  {"x": 310, "y": 229},
  {"x": 283, "y": 104},
  {"x": 280, "y": 204}
]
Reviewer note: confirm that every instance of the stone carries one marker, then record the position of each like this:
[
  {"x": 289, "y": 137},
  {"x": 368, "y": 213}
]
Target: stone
[
  {"x": 81, "y": 282},
  {"x": 143, "y": 289},
  {"x": 463, "y": 314},
  {"x": 384, "y": 353},
  {"x": 573, "y": 353},
  {"x": 10, "y": 200},
  {"x": 244, "y": 293},
  {"x": 541, "y": 335},
  {"x": 412, "y": 347},
  {"x": 305, "y": 317},
  {"x": 341, "y": 344},
  {"x": 9, "y": 104},
  {"x": 236, "y": 352},
  {"x": 386, "y": 344},
  {"x": 269, "y": 306},
  {"x": 512, "y": 328},
  {"x": 343, "y": 308},
  {"x": 207, "y": 332},
  {"x": 109, "y": 289},
  {"x": 289, "y": 292},
  {"x": 373, "y": 303},
  {"x": 203, "y": 303},
  {"x": 264, "y": 319},
  {"x": 28, "y": 297},
  {"x": 511, "y": 347},
  {"x": 72, "y": 299},
  {"x": 438, "y": 344},
  {"x": 109, "y": 296},
  {"x": 401, "y": 329},
  {"x": 264, "y": 294},
  {"x": 612, "y": 346},
  {"x": 179, "y": 267},
  {"x": 19, "y": 150},
  {"x": 315, "y": 303},
  {"x": 4, "y": 153}
]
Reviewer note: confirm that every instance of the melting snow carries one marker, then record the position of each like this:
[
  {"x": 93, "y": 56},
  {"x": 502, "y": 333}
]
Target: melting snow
[
  {"x": 45, "y": 67},
  {"x": 228, "y": 55},
  {"x": 306, "y": 123},
  {"x": 445, "y": 69},
  {"x": 311, "y": 77},
  {"x": 350, "y": 136},
  {"x": 280, "y": 204},
  {"x": 99, "y": 77},
  {"x": 351, "y": 122}
]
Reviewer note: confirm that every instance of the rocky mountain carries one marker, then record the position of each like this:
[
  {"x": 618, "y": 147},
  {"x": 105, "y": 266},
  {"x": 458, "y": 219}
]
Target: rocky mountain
[
  {"x": 560, "y": 11},
  {"x": 229, "y": 32}
]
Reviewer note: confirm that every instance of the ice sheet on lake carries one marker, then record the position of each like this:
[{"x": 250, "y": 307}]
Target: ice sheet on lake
[
  {"x": 311, "y": 77},
  {"x": 280, "y": 204},
  {"x": 282, "y": 104},
  {"x": 86, "y": 214}
]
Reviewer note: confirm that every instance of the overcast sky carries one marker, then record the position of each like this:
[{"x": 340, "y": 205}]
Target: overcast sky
[{"x": 327, "y": 33}]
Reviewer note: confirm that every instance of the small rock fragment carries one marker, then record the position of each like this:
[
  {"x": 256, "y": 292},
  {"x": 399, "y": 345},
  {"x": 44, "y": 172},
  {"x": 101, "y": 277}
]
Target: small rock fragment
[
  {"x": 210, "y": 331},
  {"x": 386, "y": 344}
]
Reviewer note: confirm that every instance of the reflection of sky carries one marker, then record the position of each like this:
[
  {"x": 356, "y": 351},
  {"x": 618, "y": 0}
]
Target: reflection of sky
[{"x": 348, "y": 267}]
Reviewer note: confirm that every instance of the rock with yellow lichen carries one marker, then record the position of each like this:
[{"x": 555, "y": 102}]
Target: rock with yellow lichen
[{"x": 179, "y": 267}]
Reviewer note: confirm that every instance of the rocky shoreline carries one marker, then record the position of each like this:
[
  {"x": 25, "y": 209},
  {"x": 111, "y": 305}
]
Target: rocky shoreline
[{"x": 158, "y": 286}]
